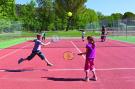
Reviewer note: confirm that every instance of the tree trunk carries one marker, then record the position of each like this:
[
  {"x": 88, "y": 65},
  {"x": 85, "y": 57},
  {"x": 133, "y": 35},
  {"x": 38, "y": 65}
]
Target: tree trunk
[{"x": 68, "y": 23}]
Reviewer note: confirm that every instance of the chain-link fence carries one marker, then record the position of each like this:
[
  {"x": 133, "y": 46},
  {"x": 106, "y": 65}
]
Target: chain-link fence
[
  {"x": 124, "y": 27},
  {"x": 10, "y": 26}
]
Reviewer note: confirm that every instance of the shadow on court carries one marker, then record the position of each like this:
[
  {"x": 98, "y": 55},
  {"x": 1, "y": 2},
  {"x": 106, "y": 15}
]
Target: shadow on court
[
  {"x": 23, "y": 70},
  {"x": 16, "y": 70},
  {"x": 64, "y": 79}
]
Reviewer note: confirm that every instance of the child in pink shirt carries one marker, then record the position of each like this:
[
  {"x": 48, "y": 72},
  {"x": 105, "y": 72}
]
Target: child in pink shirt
[{"x": 90, "y": 57}]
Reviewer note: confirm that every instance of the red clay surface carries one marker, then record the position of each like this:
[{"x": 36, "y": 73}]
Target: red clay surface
[{"x": 115, "y": 64}]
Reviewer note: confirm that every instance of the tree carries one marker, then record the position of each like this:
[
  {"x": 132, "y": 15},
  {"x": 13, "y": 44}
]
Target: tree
[
  {"x": 128, "y": 15},
  {"x": 7, "y": 8},
  {"x": 65, "y": 6},
  {"x": 117, "y": 16},
  {"x": 45, "y": 13},
  {"x": 7, "y": 13},
  {"x": 4, "y": 24},
  {"x": 100, "y": 16},
  {"x": 28, "y": 15},
  {"x": 87, "y": 17}
]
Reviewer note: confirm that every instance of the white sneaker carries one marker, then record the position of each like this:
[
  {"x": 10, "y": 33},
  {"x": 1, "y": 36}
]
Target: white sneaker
[{"x": 94, "y": 78}]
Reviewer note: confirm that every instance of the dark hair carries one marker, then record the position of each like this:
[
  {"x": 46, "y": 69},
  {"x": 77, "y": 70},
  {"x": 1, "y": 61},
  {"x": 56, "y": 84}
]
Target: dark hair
[
  {"x": 90, "y": 38},
  {"x": 38, "y": 35}
]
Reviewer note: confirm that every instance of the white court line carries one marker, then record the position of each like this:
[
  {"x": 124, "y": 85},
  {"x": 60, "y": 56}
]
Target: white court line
[
  {"x": 74, "y": 69},
  {"x": 2, "y": 70},
  {"x": 107, "y": 69},
  {"x": 14, "y": 51},
  {"x": 117, "y": 69},
  {"x": 77, "y": 48}
]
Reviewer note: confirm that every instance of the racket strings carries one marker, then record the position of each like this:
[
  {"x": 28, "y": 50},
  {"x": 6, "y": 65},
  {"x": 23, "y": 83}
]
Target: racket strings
[
  {"x": 55, "y": 39},
  {"x": 68, "y": 55}
]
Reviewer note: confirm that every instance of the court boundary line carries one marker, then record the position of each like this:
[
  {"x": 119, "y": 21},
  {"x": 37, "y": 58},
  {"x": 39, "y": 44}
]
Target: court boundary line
[
  {"x": 77, "y": 48},
  {"x": 74, "y": 69},
  {"x": 99, "y": 69}
]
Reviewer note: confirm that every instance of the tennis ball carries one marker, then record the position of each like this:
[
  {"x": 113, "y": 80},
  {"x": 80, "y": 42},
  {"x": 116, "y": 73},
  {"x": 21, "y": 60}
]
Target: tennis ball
[{"x": 69, "y": 14}]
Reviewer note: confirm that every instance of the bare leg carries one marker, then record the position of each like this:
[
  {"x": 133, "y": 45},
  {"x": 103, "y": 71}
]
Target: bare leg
[
  {"x": 94, "y": 75},
  {"x": 41, "y": 55},
  {"x": 28, "y": 58},
  {"x": 87, "y": 75},
  {"x": 48, "y": 63}
]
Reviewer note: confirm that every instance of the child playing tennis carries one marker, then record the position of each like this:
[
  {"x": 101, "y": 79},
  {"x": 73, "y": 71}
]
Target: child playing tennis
[
  {"x": 103, "y": 34},
  {"x": 90, "y": 56},
  {"x": 36, "y": 51},
  {"x": 83, "y": 35},
  {"x": 43, "y": 36}
]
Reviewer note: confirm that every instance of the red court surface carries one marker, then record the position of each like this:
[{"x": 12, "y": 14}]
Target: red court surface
[{"x": 115, "y": 67}]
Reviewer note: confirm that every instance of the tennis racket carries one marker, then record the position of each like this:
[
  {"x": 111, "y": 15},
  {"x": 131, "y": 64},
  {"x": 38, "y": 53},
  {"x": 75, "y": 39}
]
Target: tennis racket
[
  {"x": 55, "y": 38},
  {"x": 68, "y": 55}
]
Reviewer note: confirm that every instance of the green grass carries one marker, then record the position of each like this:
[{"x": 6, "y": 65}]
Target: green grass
[
  {"x": 4, "y": 37},
  {"x": 73, "y": 33},
  {"x": 11, "y": 42},
  {"x": 130, "y": 39},
  {"x": 7, "y": 40}
]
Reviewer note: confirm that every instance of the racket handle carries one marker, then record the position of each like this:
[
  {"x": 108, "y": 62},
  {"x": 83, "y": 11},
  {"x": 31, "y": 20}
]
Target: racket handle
[
  {"x": 79, "y": 53},
  {"x": 47, "y": 43}
]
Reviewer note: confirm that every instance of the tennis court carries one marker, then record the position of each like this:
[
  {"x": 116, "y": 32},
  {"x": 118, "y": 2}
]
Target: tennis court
[{"x": 114, "y": 64}]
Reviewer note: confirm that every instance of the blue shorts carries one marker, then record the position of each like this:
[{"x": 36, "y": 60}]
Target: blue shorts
[{"x": 34, "y": 53}]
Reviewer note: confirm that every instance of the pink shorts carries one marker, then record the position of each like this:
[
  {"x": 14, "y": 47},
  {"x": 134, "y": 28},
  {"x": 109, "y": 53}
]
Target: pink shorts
[{"x": 89, "y": 64}]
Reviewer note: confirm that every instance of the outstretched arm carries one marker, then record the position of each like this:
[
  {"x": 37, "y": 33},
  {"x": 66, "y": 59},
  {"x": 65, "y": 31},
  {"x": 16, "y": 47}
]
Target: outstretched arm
[
  {"x": 45, "y": 43},
  {"x": 83, "y": 53}
]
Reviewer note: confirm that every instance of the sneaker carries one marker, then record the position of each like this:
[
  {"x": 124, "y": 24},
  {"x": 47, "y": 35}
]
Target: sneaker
[
  {"x": 20, "y": 60},
  {"x": 49, "y": 64},
  {"x": 87, "y": 79},
  {"x": 93, "y": 78}
]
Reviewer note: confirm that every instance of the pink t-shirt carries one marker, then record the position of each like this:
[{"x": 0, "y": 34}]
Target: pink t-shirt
[{"x": 91, "y": 51}]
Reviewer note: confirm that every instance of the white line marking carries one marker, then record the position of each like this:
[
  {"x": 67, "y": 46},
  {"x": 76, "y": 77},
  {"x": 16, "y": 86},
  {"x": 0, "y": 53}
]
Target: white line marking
[
  {"x": 2, "y": 70},
  {"x": 72, "y": 69},
  {"x": 65, "y": 69},
  {"x": 107, "y": 69},
  {"x": 14, "y": 51},
  {"x": 77, "y": 49}
]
